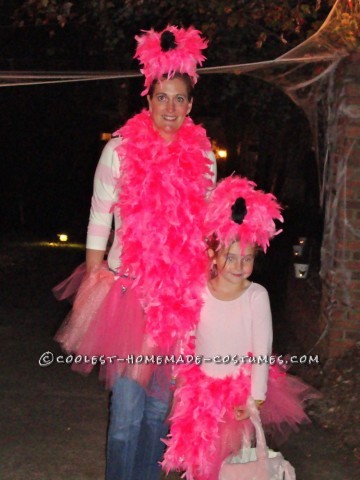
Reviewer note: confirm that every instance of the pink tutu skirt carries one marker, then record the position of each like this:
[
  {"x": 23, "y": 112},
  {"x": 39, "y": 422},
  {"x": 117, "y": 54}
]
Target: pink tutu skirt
[
  {"x": 204, "y": 430},
  {"x": 107, "y": 327},
  {"x": 68, "y": 289}
]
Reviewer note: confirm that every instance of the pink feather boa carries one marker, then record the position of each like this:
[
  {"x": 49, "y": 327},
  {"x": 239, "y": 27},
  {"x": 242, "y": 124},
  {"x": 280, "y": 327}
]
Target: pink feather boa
[{"x": 162, "y": 197}]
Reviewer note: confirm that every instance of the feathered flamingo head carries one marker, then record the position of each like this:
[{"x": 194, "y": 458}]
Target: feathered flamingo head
[
  {"x": 174, "y": 50},
  {"x": 238, "y": 212}
]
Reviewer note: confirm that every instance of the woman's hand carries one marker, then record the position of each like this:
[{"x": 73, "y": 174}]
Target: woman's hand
[{"x": 94, "y": 259}]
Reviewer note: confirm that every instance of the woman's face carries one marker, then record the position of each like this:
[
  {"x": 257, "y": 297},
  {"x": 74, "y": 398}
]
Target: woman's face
[{"x": 169, "y": 106}]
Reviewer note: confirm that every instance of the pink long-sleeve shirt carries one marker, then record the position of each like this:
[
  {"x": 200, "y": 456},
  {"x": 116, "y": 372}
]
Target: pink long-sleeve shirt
[{"x": 236, "y": 327}]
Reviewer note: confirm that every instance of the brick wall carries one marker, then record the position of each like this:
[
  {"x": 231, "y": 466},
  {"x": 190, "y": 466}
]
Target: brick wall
[{"x": 340, "y": 255}]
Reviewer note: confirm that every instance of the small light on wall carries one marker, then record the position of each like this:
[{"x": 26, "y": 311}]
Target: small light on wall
[
  {"x": 105, "y": 136},
  {"x": 63, "y": 237},
  {"x": 297, "y": 250},
  {"x": 301, "y": 270},
  {"x": 222, "y": 153}
]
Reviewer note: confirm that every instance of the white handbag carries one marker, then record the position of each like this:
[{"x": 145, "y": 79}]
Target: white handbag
[{"x": 257, "y": 463}]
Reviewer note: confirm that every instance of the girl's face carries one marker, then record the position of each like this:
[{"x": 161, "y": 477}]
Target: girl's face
[
  {"x": 169, "y": 106},
  {"x": 235, "y": 264}
]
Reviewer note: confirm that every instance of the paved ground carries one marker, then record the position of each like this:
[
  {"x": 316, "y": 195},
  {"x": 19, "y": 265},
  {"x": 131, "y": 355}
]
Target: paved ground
[{"x": 53, "y": 421}]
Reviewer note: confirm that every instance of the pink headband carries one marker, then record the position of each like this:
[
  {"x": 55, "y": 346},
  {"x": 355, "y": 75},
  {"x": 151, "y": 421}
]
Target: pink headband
[
  {"x": 238, "y": 212},
  {"x": 168, "y": 52}
]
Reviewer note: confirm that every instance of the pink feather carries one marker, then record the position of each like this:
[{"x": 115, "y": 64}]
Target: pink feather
[
  {"x": 182, "y": 59},
  {"x": 258, "y": 226}
]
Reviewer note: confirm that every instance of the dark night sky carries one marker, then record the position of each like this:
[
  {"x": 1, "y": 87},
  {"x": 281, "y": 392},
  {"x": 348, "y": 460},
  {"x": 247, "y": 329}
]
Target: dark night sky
[
  {"x": 50, "y": 134},
  {"x": 50, "y": 145}
]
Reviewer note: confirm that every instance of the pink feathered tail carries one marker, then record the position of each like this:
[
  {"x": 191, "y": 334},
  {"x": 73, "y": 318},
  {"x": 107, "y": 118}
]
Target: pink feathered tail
[{"x": 204, "y": 430}]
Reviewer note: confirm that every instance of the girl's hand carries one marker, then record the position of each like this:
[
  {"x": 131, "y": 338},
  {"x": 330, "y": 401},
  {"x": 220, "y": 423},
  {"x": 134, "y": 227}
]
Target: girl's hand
[
  {"x": 241, "y": 413},
  {"x": 259, "y": 404}
]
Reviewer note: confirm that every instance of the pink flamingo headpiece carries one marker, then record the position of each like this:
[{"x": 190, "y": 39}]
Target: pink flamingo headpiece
[
  {"x": 238, "y": 212},
  {"x": 168, "y": 52}
]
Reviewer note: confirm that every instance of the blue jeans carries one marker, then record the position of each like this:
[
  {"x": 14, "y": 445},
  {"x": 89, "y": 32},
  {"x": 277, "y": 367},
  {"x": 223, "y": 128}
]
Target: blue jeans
[{"x": 136, "y": 425}]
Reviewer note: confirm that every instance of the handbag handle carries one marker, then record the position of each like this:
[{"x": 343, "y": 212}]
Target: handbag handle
[{"x": 261, "y": 447}]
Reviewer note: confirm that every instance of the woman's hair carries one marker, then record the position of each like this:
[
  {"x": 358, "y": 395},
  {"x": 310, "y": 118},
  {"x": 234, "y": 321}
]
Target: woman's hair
[{"x": 182, "y": 76}]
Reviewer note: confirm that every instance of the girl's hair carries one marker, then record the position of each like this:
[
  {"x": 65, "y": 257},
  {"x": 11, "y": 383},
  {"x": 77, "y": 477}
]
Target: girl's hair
[
  {"x": 182, "y": 76},
  {"x": 213, "y": 242}
]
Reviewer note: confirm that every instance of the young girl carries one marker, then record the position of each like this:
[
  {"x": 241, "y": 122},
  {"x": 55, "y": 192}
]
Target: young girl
[{"x": 234, "y": 340}]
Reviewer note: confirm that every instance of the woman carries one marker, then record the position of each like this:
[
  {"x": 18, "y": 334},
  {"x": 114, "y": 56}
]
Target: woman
[{"x": 153, "y": 178}]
